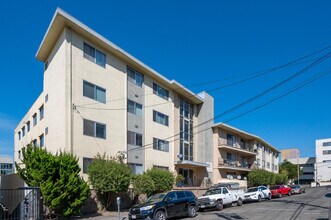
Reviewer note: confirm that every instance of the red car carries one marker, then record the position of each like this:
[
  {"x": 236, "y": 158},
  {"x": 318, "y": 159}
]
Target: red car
[{"x": 280, "y": 190}]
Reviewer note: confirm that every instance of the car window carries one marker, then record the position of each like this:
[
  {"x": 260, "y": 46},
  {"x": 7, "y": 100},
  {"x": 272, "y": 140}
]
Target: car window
[
  {"x": 156, "y": 197},
  {"x": 180, "y": 195},
  {"x": 189, "y": 194},
  {"x": 171, "y": 196},
  {"x": 225, "y": 191},
  {"x": 253, "y": 189}
]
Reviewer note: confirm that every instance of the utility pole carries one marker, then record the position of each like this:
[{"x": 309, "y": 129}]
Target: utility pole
[{"x": 298, "y": 167}]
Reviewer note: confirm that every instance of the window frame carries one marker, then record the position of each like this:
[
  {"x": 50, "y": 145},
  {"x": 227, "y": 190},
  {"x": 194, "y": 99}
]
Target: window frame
[
  {"x": 95, "y": 124},
  {"x": 94, "y": 57},
  {"x": 136, "y": 106},
  {"x": 35, "y": 119},
  {"x": 164, "y": 118},
  {"x": 136, "y": 137},
  {"x": 42, "y": 140},
  {"x": 135, "y": 76},
  {"x": 160, "y": 91},
  {"x": 96, "y": 88},
  {"x": 41, "y": 112},
  {"x": 156, "y": 145}
]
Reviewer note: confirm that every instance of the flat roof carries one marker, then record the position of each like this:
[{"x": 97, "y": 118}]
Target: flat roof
[
  {"x": 243, "y": 133},
  {"x": 61, "y": 19}
]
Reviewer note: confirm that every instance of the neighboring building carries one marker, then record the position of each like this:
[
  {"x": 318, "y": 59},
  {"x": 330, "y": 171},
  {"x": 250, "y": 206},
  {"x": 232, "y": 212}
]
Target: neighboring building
[
  {"x": 290, "y": 153},
  {"x": 6, "y": 165},
  {"x": 307, "y": 166},
  {"x": 323, "y": 160},
  {"x": 97, "y": 98},
  {"x": 237, "y": 152}
]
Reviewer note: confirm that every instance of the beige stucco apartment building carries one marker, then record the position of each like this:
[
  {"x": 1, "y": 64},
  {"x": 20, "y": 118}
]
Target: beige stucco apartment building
[
  {"x": 237, "y": 152},
  {"x": 98, "y": 99}
]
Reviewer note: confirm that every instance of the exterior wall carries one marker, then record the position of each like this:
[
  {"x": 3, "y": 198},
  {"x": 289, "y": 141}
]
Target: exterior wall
[
  {"x": 323, "y": 161},
  {"x": 307, "y": 166},
  {"x": 269, "y": 156},
  {"x": 6, "y": 165}
]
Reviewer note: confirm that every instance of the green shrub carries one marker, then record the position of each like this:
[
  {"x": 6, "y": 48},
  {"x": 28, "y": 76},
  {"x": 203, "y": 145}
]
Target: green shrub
[
  {"x": 143, "y": 184},
  {"x": 64, "y": 191},
  {"x": 261, "y": 177},
  {"x": 163, "y": 179}
]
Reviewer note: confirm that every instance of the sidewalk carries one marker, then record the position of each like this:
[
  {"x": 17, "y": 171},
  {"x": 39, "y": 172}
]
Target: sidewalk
[{"x": 108, "y": 216}]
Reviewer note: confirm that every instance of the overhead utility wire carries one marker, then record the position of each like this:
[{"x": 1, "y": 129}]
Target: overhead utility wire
[
  {"x": 247, "y": 112},
  {"x": 259, "y": 73},
  {"x": 262, "y": 93}
]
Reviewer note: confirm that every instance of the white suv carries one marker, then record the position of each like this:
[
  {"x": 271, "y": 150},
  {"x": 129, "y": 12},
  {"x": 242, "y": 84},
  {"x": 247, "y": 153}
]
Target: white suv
[{"x": 257, "y": 193}]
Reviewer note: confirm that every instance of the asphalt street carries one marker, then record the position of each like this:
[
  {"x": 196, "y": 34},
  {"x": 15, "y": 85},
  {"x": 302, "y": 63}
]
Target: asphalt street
[{"x": 310, "y": 205}]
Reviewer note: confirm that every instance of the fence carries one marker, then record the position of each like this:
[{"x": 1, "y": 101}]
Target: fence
[{"x": 24, "y": 203}]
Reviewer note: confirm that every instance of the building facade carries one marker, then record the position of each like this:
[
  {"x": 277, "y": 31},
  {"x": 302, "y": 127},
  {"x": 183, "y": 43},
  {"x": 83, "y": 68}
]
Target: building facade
[
  {"x": 307, "y": 167},
  {"x": 237, "y": 152},
  {"x": 98, "y": 99},
  {"x": 6, "y": 165},
  {"x": 323, "y": 160}
]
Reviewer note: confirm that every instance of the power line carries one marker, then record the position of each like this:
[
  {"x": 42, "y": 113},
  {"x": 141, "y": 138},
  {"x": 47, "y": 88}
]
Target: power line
[
  {"x": 318, "y": 76},
  {"x": 259, "y": 73}
]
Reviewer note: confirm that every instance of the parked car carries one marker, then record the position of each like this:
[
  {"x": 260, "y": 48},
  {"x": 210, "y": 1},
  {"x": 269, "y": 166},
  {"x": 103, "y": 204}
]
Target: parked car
[
  {"x": 297, "y": 189},
  {"x": 218, "y": 196},
  {"x": 257, "y": 193},
  {"x": 166, "y": 205},
  {"x": 280, "y": 190}
]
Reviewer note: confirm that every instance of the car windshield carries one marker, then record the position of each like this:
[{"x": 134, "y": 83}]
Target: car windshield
[
  {"x": 212, "y": 192},
  {"x": 295, "y": 186},
  {"x": 254, "y": 189},
  {"x": 156, "y": 198}
]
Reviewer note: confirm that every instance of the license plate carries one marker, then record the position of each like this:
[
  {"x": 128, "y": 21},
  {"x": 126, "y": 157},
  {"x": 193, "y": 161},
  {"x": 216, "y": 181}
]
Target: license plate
[
  {"x": 133, "y": 216},
  {"x": 202, "y": 206}
]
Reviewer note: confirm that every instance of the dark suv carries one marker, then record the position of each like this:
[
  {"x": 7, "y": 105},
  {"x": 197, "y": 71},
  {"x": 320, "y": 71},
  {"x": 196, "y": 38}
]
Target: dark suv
[{"x": 166, "y": 205}]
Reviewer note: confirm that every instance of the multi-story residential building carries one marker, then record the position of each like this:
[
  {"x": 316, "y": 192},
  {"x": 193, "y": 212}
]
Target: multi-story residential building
[
  {"x": 6, "y": 165},
  {"x": 323, "y": 160},
  {"x": 307, "y": 168},
  {"x": 97, "y": 98},
  {"x": 237, "y": 152}
]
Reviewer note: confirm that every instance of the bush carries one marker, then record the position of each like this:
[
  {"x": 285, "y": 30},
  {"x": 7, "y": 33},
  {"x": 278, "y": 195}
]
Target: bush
[
  {"x": 261, "y": 177},
  {"x": 109, "y": 175},
  {"x": 143, "y": 184},
  {"x": 163, "y": 179},
  {"x": 63, "y": 190},
  {"x": 280, "y": 179}
]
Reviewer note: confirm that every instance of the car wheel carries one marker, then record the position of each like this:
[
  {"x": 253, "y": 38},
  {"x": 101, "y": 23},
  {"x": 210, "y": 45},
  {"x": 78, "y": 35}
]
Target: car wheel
[
  {"x": 219, "y": 205},
  {"x": 192, "y": 212},
  {"x": 259, "y": 199},
  {"x": 239, "y": 202},
  {"x": 160, "y": 215},
  {"x": 289, "y": 193},
  {"x": 269, "y": 196}
]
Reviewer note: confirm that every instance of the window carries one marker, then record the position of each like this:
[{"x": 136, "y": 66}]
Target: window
[
  {"x": 23, "y": 131},
  {"x": 161, "y": 167},
  {"x": 135, "y": 108},
  {"x": 327, "y": 144},
  {"x": 94, "y": 129},
  {"x": 35, "y": 143},
  {"x": 160, "y": 118},
  {"x": 86, "y": 163},
  {"x": 19, "y": 154},
  {"x": 272, "y": 167},
  {"x": 135, "y": 77},
  {"x": 94, "y": 55},
  {"x": 268, "y": 165},
  {"x": 231, "y": 140},
  {"x": 28, "y": 126},
  {"x": 41, "y": 112},
  {"x": 94, "y": 92},
  {"x": 42, "y": 140},
  {"x": 258, "y": 162},
  {"x": 136, "y": 168},
  {"x": 225, "y": 191},
  {"x": 34, "y": 118},
  {"x": 46, "y": 131},
  {"x": 326, "y": 152},
  {"x": 160, "y": 145},
  {"x": 263, "y": 163},
  {"x": 135, "y": 138},
  {"x": 326, "y": 161},
  {"x": 46, "y": 98},
  {"x": 160, "y": 91},
  {"x": 19, "y": 135},
  {"x": 180, "y": 195}
]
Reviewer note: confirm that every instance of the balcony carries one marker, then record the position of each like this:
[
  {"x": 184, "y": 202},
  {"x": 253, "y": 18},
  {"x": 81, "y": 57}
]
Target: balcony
[
  {"x": 245, "y": 149},
  {"x": 233, "y": 165}
]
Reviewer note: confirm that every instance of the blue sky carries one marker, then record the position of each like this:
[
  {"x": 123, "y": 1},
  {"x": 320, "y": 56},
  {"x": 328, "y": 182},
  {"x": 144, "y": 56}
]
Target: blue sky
[{"x": 192, "y": 42}]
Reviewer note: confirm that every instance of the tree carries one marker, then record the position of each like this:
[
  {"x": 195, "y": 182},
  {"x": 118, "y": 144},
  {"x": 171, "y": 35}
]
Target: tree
[
  {"x": 63, "y": 190},
  {"x": 143, "y": 184},
  {"x": 109, "y": 175},
  {"x": 289, "y": 168},
  {"x": 261, "y": 177},
  {"x": 163, "y": 179},
  {"x": 280, "y": 178}
]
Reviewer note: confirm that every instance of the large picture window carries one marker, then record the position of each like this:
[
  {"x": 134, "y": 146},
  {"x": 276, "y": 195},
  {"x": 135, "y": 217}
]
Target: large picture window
[
  {"x": 94, "y": 129},
  {"x": 94, "y": 55},
  {"x": 160, "y": 118},
  {"x": 94, "y": 92}
]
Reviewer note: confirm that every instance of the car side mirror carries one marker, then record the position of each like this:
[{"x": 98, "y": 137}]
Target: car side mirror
[{"x": 328, "y": 195}]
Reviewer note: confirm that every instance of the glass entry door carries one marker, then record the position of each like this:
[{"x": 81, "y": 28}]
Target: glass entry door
[{"x": 188, "y": 175}]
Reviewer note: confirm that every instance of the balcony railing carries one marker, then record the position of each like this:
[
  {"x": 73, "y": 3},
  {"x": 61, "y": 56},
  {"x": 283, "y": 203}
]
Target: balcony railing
[
  {"x": 237, "y": 145},
  {"x": 233, "y": 163}
]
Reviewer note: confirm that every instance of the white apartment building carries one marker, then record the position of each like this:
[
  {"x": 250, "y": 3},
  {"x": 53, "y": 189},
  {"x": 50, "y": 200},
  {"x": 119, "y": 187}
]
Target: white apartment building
[
  {"x": 323, "y": 160},
  {"x": 6, "y": 165},
  {"x": 237, "y": 152},
  {"x": 97, "y": 98},
  {"x": 307, "y": 167}
]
